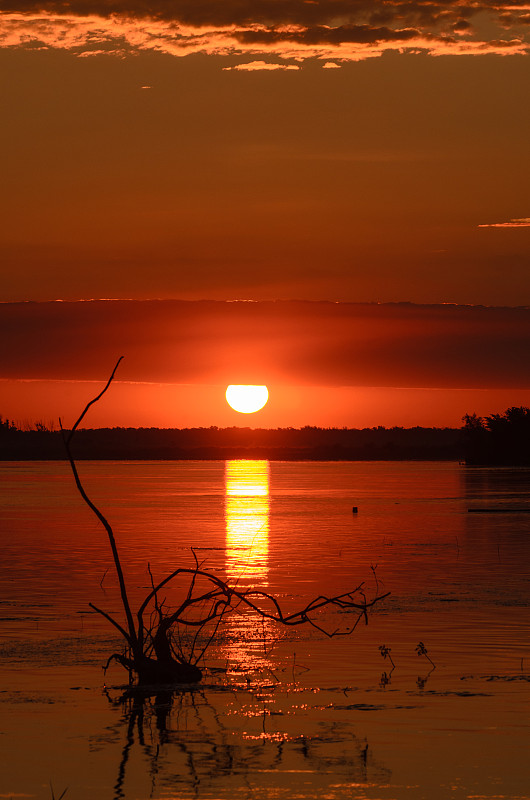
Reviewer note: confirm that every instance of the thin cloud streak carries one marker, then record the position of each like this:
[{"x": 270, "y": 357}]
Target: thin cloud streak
[
  {"x": 252, "y": 66},
  {"x": 524, "y": 222},
  {"x": 346, "y": 30}
]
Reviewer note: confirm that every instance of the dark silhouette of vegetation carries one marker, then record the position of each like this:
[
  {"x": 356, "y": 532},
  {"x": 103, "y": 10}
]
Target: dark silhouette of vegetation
[
  {"x": 385, "y": 652},
  {"x": 7, "y": 426},
  {"x": 500, "y": 439},
  {"x": 156, "y": 649},
  {"x": 40, "y": 442},
  {"x": 422, "y": 651}
]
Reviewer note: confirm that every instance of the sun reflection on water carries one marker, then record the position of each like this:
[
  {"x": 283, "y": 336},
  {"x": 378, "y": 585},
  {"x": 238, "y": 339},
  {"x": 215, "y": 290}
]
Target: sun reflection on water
[
  {"x": 247, "y": 555},
  {"x": 247, "y": 521}
]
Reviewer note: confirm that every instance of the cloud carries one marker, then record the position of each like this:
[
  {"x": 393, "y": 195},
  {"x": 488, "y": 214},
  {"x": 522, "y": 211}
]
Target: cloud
[
  {"x": 261, "y": 65},
  {"x": 282, "y": 342},
  {"x": 524, "y": 222},
  {"x": 346, "y": 30},
  {"x": 330, "y": 65}
]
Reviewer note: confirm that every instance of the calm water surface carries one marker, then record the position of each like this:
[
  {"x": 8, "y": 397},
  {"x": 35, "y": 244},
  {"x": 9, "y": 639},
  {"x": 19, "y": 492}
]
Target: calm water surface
[{"x": 293, "y": 714}]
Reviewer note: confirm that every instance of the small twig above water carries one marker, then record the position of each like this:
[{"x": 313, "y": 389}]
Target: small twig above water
[
  {"x": 385, "y": 652},
  {"x": 60, "y": 796},
  {"x": 422, "y": 651},
  {"x": 103, "y": 578}
]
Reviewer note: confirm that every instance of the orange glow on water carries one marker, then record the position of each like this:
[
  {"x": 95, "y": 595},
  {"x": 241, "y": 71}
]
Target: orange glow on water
[
  {"x": 247, "y": 554},
  {"x": 247, "y": 521}
]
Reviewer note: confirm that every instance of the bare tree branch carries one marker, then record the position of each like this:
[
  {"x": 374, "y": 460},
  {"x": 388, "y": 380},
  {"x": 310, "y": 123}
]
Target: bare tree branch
[
  {"x": 157, "y": 652},
  {"x": 132, "y": 638},
  {"x": 95, "y": 400}
]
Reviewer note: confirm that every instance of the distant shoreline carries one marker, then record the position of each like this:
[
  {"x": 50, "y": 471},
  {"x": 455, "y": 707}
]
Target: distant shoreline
[
  {"x": 232, "y": 456},
  {"x": 220, "y": 444}
]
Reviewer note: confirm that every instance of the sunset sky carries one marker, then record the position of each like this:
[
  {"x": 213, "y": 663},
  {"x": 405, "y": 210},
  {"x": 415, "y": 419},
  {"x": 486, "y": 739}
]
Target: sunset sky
[{"x": 355, "y": 172}]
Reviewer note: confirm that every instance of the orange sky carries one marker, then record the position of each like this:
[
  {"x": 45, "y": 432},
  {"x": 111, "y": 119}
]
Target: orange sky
[
  {"x": 339, "y": 150},
  {"x": 325, "y": 363}
]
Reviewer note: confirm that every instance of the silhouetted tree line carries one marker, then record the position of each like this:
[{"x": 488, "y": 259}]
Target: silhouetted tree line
[
  {"x": 497, "y": 439},
  {"x": 502, "y": 439},
  {"x": 284, "y": 444},
  {"x": 6, "y": 426}
]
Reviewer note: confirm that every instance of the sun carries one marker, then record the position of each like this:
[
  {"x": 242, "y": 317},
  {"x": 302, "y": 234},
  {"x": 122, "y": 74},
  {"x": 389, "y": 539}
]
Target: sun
[{"x": 246, "y": 399}]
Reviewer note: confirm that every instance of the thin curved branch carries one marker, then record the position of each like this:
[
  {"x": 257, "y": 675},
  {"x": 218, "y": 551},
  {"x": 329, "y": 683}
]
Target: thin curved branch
[
  {"x": 180, "y": 571},
  {"x": 250, "y": 598},
  {"x": 132, "y": 637},
  {"x": 95, "y": 400},
  {"x": 113, "y": 622}
]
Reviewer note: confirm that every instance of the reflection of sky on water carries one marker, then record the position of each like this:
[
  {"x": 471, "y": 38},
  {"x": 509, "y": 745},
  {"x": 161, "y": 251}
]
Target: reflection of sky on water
[
  {"x": 247, "y": 521},
  {"x": 458, "y": 583}
]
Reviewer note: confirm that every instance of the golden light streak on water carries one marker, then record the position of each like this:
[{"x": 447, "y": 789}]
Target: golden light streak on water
[
  {"x": 247, "y": 554},
  {"x": 247, "y": 521}
]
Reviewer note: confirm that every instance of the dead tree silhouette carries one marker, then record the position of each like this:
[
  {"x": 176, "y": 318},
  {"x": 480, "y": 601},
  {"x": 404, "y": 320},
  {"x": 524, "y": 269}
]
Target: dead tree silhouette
[{"x": 155, "y": 650}]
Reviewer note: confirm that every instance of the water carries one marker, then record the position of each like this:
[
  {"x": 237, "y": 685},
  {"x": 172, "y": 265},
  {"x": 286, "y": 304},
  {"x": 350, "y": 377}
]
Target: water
[{"x": 281, "y": 713}]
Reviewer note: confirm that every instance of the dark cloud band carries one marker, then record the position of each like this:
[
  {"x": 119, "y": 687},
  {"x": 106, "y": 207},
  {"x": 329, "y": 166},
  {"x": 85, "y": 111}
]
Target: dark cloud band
[
  {"x": 310, "y": 343},
  {"x": 349, "y": 29}
]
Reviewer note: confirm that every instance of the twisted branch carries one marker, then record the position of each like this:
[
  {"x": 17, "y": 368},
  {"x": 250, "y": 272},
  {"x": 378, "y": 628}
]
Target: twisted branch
[{"x": 200, "y": 606}]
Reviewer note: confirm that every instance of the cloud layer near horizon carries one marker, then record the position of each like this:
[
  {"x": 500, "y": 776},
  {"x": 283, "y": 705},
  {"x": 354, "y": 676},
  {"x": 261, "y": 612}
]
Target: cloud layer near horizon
[
  {"x": 282, "y": 342},
  {"x": 345, "y": 30}
]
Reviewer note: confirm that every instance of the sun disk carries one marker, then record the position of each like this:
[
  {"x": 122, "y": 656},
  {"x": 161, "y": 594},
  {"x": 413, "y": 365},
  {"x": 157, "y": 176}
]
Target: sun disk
[{"x": 246, "y": 398}]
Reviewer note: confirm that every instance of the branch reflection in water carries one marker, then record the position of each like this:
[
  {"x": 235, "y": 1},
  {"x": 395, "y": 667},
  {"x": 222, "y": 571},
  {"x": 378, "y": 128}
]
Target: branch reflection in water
[{"x": 226, "y": 741}]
